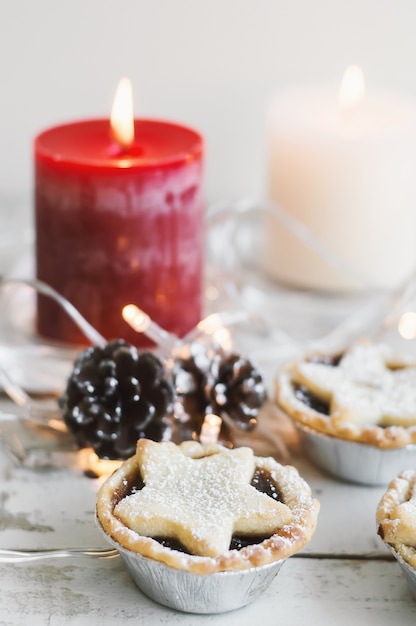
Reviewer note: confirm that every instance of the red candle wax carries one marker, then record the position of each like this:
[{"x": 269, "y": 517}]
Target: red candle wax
[{"x": 114, "y": 227}]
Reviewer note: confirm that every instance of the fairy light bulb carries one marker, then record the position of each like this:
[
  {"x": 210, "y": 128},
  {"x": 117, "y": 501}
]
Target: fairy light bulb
[
  {"x": 210, "y": 429},
  {"x": 407, "y": 325}
]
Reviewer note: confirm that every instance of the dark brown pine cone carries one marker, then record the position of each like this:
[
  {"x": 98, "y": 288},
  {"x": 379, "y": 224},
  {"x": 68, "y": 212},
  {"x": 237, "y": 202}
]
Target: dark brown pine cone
[
  {"x": 222, "y": 384},
  {"x": 235, "y": 387},
  {"x": 116, "y": 395}
]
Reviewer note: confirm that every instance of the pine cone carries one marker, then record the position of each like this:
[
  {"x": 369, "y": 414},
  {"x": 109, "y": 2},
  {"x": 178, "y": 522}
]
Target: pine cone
[
  {"x": 235, "y": 386},
  {"x": 222, "y": 384},
  {"x": 189, "y": 382},
  {"x": 116, "y": 395}
]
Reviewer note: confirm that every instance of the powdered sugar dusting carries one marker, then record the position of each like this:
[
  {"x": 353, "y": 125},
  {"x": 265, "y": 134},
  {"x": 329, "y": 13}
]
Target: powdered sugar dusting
[
  {"x": 363, "y": 389},
  {"x": 201, "y": 502},
  {"x": 294, "y": 521}
]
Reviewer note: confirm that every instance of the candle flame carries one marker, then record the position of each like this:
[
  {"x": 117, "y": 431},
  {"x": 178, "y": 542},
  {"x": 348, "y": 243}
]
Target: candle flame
[
  {"x": 122, "y": 117},
  {"x": 352, "y": 90}
]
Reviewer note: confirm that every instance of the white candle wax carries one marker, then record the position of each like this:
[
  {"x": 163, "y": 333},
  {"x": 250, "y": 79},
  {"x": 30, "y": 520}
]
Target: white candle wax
[{"x": 350, "y": 178}]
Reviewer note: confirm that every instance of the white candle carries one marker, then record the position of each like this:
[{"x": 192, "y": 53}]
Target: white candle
[{"x": 344, "y": 166}]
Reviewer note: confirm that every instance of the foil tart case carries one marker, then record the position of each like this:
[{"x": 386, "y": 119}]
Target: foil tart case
[
  {"x": 407, "y": 569},
  {"x": 197, "y": 593},
  {"x": 355, "y": 462}
]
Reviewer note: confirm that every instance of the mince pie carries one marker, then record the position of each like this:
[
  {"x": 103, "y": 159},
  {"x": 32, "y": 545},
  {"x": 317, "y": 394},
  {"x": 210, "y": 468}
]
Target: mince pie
[
  {"x": 396, "y": 516},
  {"x": 206, "y": 509},
  {"x": 365, "y": 394}
]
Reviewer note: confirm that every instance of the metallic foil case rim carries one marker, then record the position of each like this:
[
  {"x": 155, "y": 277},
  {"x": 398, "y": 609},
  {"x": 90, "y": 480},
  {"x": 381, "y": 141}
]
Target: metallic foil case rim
[
  {"x": 188, "y": 592},
  {"x": 353, "y": 461},
  {"x": 407, "y": 569}
]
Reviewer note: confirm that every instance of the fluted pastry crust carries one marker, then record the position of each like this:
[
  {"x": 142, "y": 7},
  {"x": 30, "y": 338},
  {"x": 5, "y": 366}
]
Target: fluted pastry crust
[
  {"x": 215, "y": 511},
  {"x": 370, "y": 393},
  {"x": 396, "y": 516}
]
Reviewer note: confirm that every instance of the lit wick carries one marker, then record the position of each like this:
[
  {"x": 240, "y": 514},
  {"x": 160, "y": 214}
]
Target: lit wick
[{"x": 210, "y": 429}]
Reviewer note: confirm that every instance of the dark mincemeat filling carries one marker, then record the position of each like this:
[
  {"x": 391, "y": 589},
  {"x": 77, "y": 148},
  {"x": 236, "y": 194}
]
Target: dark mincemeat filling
[
  {"x": 305, "y": 395},
  {"x": 261, "y": 480},
  {"x": 310, "y": 399}
]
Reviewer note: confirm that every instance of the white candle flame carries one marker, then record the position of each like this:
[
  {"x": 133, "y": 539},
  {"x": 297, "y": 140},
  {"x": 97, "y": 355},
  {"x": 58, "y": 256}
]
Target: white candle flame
[
  {"x": 352, "y": 90},
  {"x": 122, "y": 116}
]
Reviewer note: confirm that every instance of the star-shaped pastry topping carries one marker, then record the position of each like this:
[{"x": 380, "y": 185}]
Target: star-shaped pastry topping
[
  {"x": 201, "y": 502},
  {"x": 362, "y": 389}
]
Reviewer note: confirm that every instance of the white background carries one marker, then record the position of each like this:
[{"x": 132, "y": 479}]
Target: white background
[{"x": 212, "y": 64}]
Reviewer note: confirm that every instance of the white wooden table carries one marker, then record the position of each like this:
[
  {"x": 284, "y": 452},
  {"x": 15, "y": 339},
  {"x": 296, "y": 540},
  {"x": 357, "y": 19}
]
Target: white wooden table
[{"x": 344, "y": 576}]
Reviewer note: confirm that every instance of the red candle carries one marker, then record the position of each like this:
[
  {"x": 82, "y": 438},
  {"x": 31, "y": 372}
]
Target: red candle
[{"x": 118, "y": 226}]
